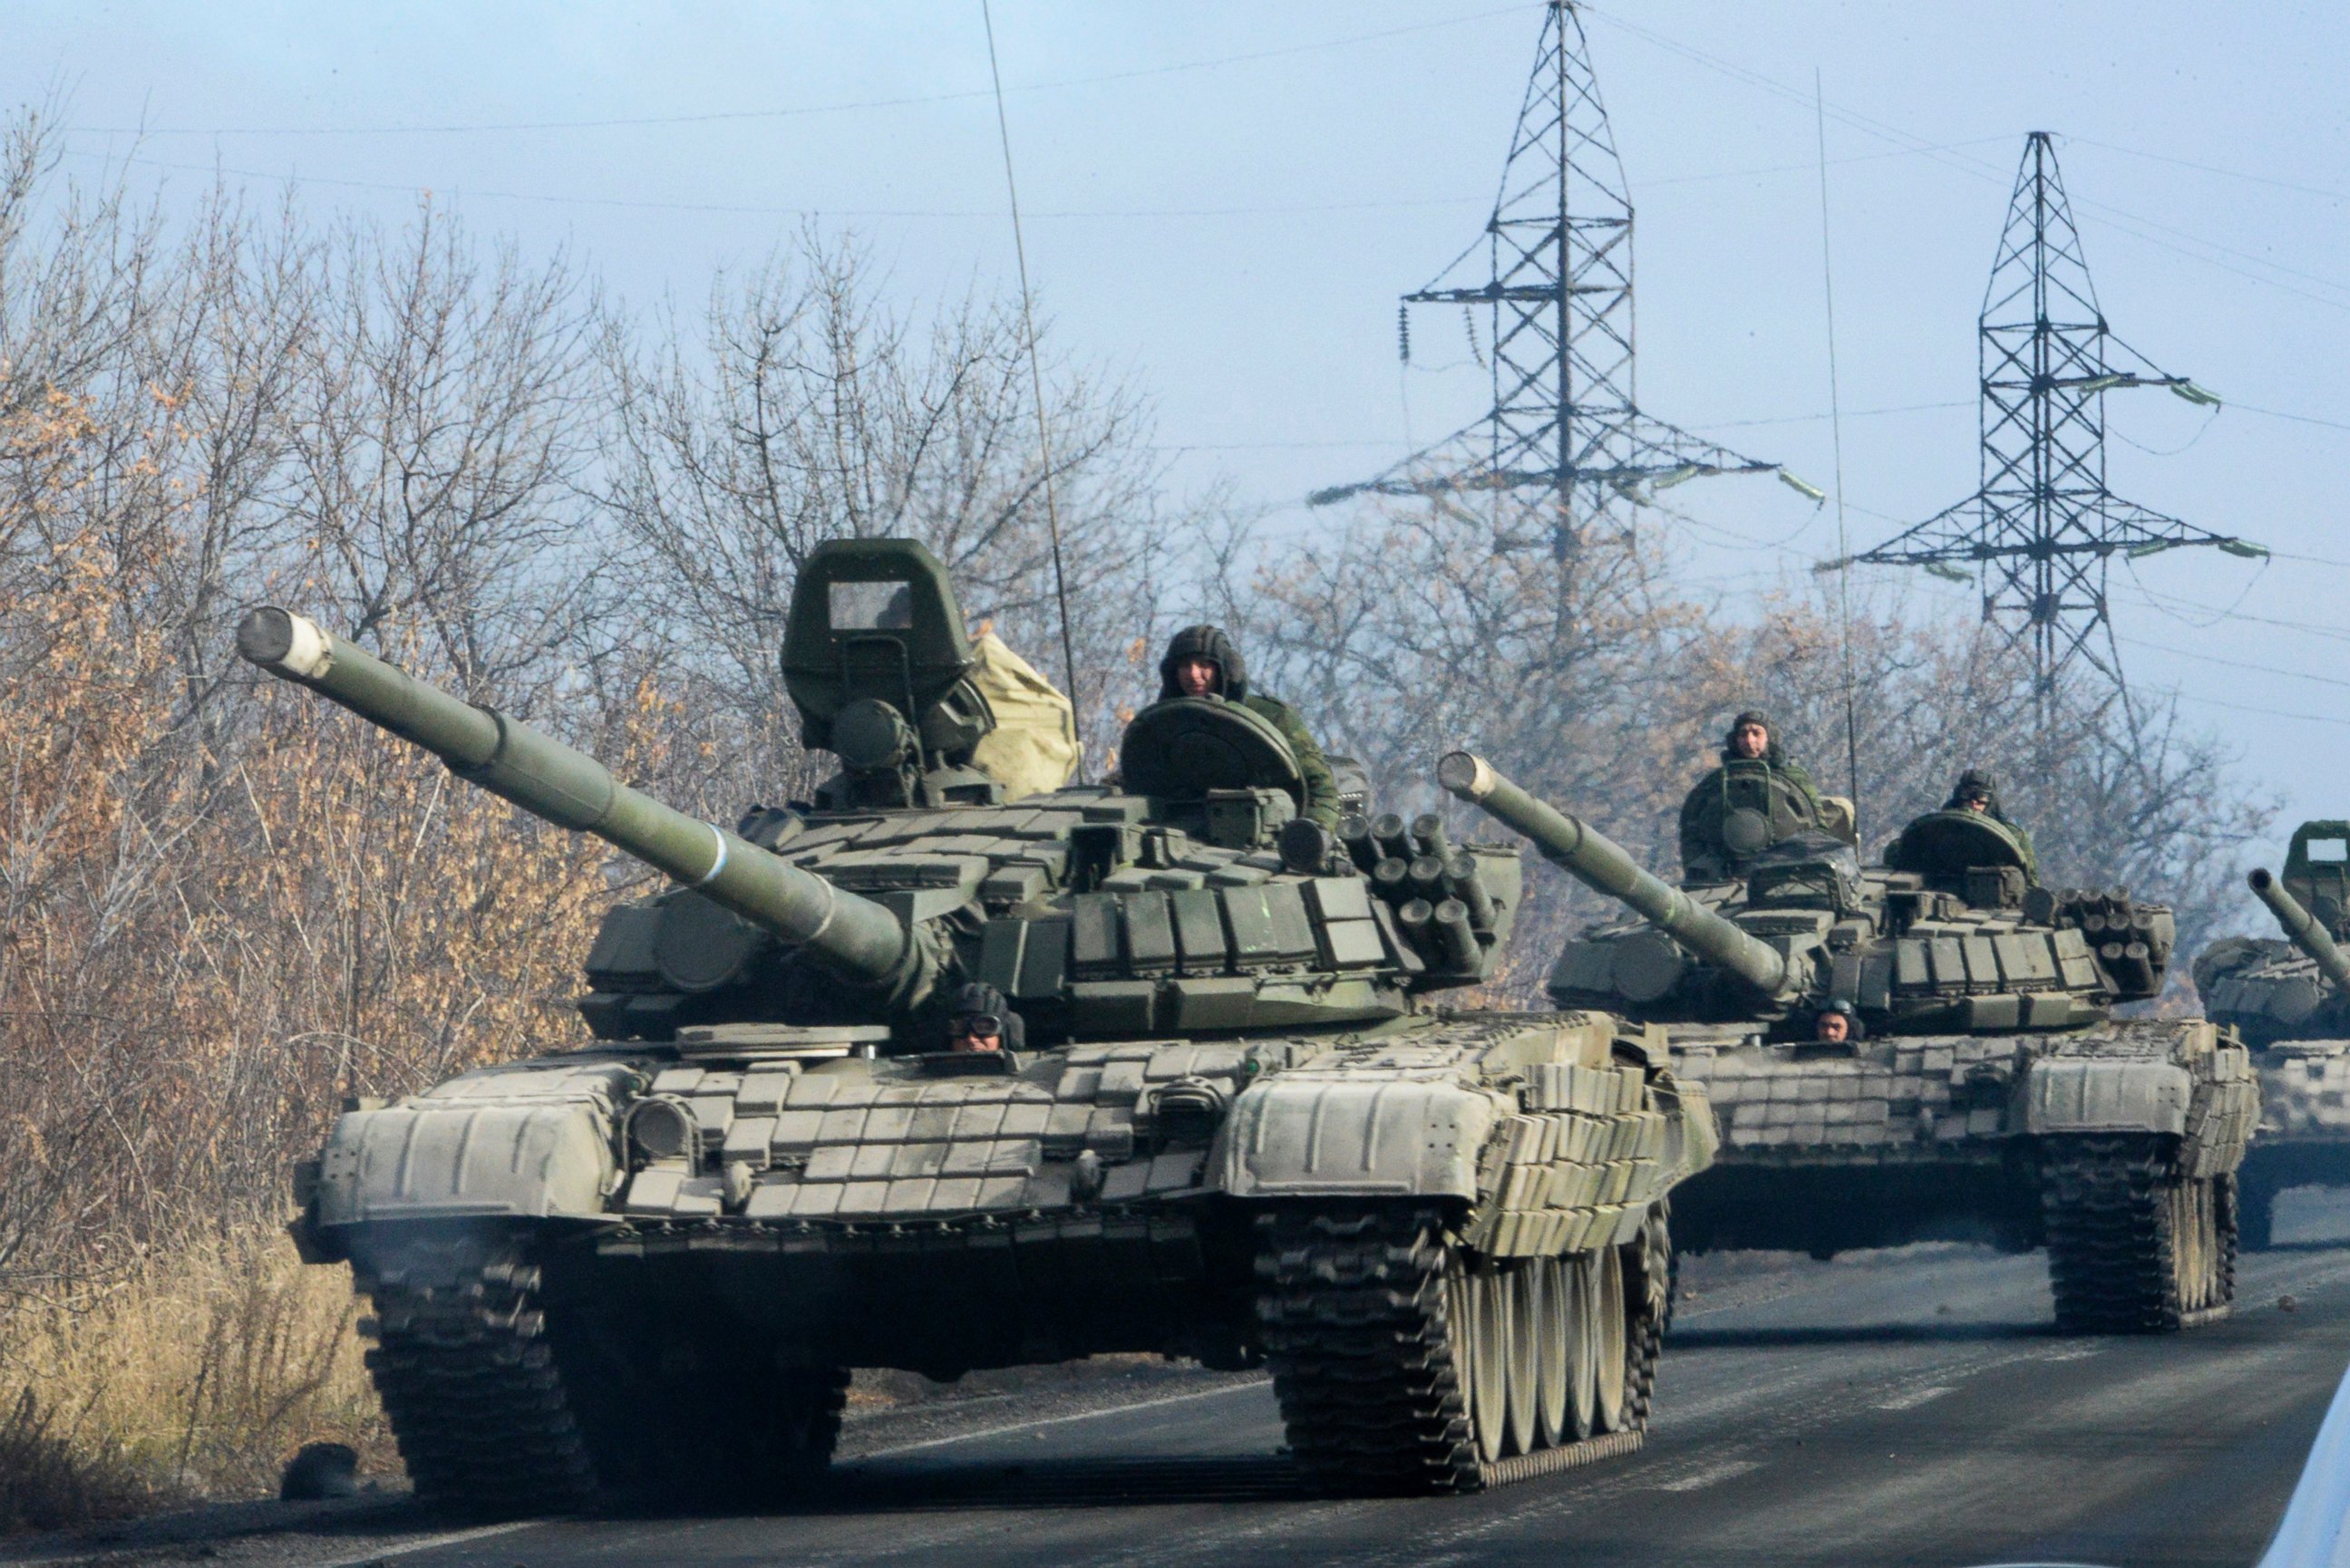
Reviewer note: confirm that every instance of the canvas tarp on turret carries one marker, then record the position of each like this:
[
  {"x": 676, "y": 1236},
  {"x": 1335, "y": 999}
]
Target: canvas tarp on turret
[{"x": 1033, "y": 747}]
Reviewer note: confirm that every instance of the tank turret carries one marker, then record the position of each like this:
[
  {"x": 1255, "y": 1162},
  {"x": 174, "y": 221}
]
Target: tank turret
[
  {"x": 1950, "y": 933},
  {"x": 1191, "y": 898}
]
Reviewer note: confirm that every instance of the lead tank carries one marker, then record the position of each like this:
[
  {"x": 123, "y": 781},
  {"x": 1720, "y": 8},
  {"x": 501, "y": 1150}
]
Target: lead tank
[
  {"x": 1234, "y": 1124},
  {"x": 2290, "y": 1000},
  {"x": 1991, "y": 1095}
]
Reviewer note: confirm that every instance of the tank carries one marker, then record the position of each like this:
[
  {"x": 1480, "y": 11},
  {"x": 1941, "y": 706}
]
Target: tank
[
  {"x": 2290, "y": 1000},
  {"x": 1990, "y": 1095},
  {"x": 1226, "y": 1117}
]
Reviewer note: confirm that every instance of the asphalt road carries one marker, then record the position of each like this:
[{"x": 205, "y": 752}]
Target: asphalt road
[{"x": 1906, "y": 1407}]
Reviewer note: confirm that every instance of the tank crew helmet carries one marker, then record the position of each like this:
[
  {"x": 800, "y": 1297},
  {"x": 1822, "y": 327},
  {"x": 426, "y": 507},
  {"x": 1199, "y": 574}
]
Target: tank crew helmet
[
  {"x": 1975, "y": 784},
  {"x": 981, "y": 1021},
  {"x": 1757, "y": 719},
  {"x": 1212, "y": 645},
  {"x": 1837, "y": 1020}
]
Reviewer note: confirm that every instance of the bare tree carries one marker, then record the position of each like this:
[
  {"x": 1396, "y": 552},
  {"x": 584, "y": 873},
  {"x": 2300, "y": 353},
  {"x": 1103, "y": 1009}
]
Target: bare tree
[{"x": 807, "y": 409}]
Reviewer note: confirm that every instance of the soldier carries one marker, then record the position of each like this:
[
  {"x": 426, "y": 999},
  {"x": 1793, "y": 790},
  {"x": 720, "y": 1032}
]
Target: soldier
[
  {"x": 1837, "y": 1022},
  {"x": 1202, "y": 662},
  {"x": 1979, "y": 791},
  {"x": 1751, "y": 739},
  {"x": 981, "y": 1021}
]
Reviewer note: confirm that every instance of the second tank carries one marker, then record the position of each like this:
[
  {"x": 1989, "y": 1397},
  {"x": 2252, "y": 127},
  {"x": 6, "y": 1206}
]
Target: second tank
[{"x": 1980, "y": 1089}]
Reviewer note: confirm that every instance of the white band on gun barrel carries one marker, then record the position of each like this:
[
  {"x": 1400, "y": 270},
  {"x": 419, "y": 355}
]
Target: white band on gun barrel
[
  {"x": 308, "y": 651},
  {"x": 718, "y": 863}
]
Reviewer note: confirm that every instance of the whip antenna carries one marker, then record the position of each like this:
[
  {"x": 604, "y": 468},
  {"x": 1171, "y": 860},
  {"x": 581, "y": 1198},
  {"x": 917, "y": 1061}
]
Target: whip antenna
[
  {"x": 1835, "y": 437},
  {"x": 1037, "y": 388}
]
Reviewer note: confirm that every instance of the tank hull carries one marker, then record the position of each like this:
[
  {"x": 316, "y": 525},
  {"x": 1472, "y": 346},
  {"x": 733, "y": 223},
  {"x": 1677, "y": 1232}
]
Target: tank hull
[
  {"x": 1200, "y": 1199},
  {"x": 2288, "y": 1011},
  {"x": 2304, "y": 1136},
  {"x": 2017, "y": 1141}
]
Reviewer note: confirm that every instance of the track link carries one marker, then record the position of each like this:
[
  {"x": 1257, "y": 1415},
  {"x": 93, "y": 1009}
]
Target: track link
[
  {"x": 1649, "y": 1282},
  {"x": 2113, "y": 1242},
  {"x": 470, "y": 1386},
  {"x": 1352, "y": 1304}
]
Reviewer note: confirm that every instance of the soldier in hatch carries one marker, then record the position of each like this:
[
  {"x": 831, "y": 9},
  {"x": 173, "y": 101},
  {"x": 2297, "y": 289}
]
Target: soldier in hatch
[
  {"x": 1202, "y": 662},
  {"x": 1751, "y": 740},
  {"x": 1979, "y": 791},
  {"x": 1837, "y": 1022},
  {"x": 981, "y": 1021}
]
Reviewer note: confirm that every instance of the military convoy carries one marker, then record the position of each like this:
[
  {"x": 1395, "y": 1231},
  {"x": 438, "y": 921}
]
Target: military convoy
[
  {"x": 2290, "y": 1000},
  {"x": 1986, "y": 1094},
  {"x": 1240, "y": 1129}
]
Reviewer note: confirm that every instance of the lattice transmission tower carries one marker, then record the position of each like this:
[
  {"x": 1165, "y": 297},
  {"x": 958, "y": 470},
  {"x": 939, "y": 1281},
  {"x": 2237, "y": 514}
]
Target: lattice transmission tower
[
  {"x": 1564, "y": 425},
  {"x": 2043, "y": 528}
]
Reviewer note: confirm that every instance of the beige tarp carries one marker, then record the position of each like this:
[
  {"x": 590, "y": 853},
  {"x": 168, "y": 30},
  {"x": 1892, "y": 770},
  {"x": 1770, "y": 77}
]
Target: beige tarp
[{"x": 1033, "y": 747}]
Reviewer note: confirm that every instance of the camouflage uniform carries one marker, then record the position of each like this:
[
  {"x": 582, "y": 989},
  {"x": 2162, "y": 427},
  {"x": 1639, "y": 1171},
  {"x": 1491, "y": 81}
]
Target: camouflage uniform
[
  {"x": 1974, "y": 779},
  {"x": 1699, "y": 846},
  {"x": 1208, "y": 642}
]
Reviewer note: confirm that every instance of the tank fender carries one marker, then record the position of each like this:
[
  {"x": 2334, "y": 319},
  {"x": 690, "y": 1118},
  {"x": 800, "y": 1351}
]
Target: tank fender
[
  {"x": 2073, "y": 1096},
  {"x": 427, "y": 1161},
  {"x": 1308, "y": 1137}
]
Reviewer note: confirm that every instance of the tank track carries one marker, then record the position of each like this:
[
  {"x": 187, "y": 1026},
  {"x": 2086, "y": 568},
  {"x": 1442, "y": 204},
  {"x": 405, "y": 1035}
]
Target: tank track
[
  {"x": 2112, "y": 1252},
  {"x": 1650, "y": 1283},
  {"x": 1352, "y": 1303},
  {"x": 470, "y": 1383},
  {"x": 493, "y": 1412}
]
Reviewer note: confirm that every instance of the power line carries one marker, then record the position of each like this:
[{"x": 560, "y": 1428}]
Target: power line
[
  {"x": 2330, "y": 195},
  {"x": 718, "y": 116},
  {"x": 747, "y": 210},
  {"x": 2234, "y": 663},
  {"x": 2116, "y": 218}
]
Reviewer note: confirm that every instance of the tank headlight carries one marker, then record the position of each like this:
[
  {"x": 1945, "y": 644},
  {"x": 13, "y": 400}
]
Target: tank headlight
[{"x": 664, "y": 1127}]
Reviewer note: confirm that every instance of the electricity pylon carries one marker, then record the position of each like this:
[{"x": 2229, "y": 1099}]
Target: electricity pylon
[
  {"x": 1559, "y": 284},
  {"x": 2043, "y": 528}
]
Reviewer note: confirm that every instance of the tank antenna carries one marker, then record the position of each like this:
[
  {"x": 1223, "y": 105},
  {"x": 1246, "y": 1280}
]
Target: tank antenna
[
  {"x": 1036, "y": 390},
  {"x": 1835, "y": 437}
]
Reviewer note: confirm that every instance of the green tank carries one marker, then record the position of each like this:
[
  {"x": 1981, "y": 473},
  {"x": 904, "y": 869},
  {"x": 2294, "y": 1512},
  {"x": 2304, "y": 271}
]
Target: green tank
[
  {"x": 2290, "y": 1000},
  {"x": 1229, "y": 1121},
  {"x": 1985, "y": 1093}
]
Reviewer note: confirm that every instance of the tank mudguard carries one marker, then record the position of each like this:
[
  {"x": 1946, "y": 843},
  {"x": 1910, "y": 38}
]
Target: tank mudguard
[
  {"x": 426, "y": 1162},
  {"x": 524, "y": 1141},
  {"x": 1295, "y": 1137},
  {"x": 2070, "y": 1094}
]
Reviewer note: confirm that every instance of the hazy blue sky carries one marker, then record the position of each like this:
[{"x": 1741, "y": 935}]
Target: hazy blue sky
[{"x": 1224, "y": 198}]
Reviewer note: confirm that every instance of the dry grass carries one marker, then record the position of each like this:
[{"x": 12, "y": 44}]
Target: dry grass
[{"x": 190, "y": 1374}]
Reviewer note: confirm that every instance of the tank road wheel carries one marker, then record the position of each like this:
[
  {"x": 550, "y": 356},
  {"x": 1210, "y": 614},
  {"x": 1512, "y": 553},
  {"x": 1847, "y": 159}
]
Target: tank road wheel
[
  {"x": 1581, "y": 1334},
  {"x": 2134, "y": 1245},
  {"x": 1553, "y": 1314},
  {"x": 470, "y": 1383},
  {"x": 1405, "y": 1364}
]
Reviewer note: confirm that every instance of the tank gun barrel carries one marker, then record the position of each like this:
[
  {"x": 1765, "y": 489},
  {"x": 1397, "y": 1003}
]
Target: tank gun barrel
[
  {"x": 1601, "y": 863},
  {"x": 855, "y": 937},
  {"x": 2302, "y": 928}
]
